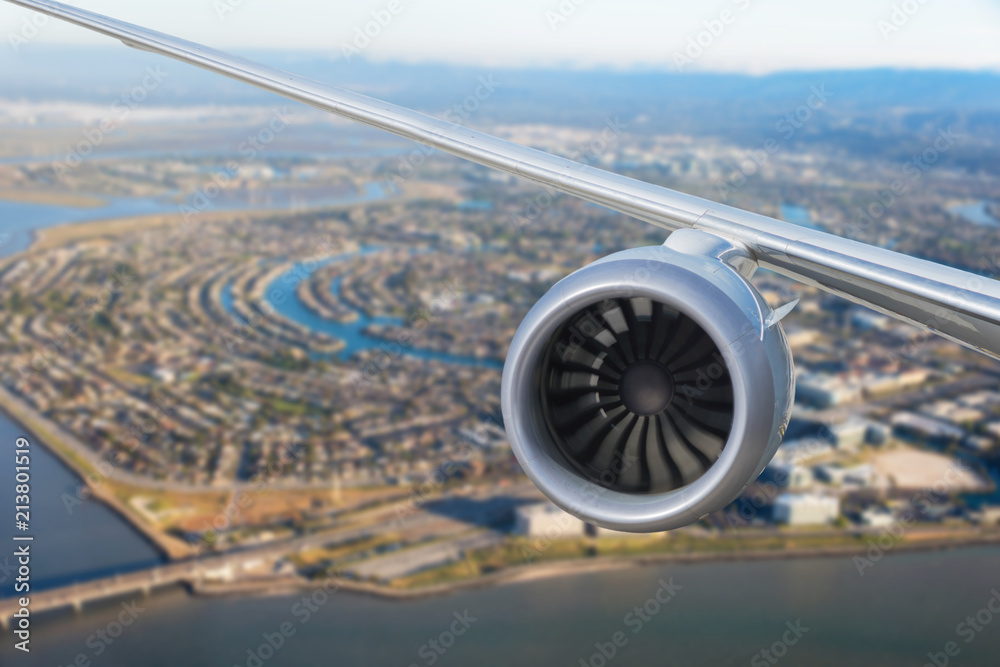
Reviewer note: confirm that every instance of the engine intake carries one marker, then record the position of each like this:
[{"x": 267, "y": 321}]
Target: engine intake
[
  {"x": 634, "y": 379},
  {"x": 649, "y": 388}
]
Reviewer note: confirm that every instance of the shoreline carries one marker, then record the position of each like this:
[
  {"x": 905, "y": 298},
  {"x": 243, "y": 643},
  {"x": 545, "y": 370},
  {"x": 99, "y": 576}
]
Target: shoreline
[
  {"x": 566, "y": 568},
  {"x": 71, "y": 232},
  {"x": 61, "y": 444},
  {"x": 29, "y": 196},
  {"x": 10, "y": 406},
  {"x": 287, "y": 586},
  {"x": 172, "y": 549}
]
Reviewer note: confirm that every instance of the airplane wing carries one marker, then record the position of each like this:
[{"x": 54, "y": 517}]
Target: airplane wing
[{"x": 958, "y": 305}]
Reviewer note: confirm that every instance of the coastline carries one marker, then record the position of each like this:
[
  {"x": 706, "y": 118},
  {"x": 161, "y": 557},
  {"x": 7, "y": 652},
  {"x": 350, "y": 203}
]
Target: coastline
[
  {"x": 51, "y": 198},
  {"x": 73, "y": 454},
  {"x": 566, "y": 568},
  {"x": 174, "y": 549},
  {"x": 42, "y": 432}
]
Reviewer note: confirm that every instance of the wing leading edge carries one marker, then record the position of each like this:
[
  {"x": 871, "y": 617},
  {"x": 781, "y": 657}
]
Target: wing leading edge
[{"x": 958, "y": 305}]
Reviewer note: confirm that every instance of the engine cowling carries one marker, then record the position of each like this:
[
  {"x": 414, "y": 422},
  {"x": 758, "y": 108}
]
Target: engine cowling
[{"x": 649, "y": 388}]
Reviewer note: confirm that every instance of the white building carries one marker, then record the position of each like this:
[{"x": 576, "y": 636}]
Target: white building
[
  {"x": 877, "y": 518},
  {"x": 990, "y": 515},
  {"x": 881, "y": 384},
  {"x": 805, "y": 509},
  {"x": 980, "y": 399},
  {"x": 953, "y": 412},
  {"x": 546, "y": 520},
  {"x": 850, "y": 435},
  {"x": 826, "y": 391}
]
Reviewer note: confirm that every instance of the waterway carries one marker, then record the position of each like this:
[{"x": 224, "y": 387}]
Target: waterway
[
  {"x": 19, "y": 220},
  {"x": 902, "y": 609},
  {"x": 976, "y": 212},
  {"x": 798, "y": 215},
  {"x": 284, "y": 294},
  {"x": 74, "y": 540}
]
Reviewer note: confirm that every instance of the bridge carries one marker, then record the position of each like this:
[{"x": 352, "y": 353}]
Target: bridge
[
  {"x": 192, "y": 571},
  {"x": 439, "y": 518}
]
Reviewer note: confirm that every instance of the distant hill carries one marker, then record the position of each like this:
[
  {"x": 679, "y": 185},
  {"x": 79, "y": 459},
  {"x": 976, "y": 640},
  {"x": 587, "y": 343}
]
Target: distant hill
[
  {"x": 48, "y": 72},
  {"x": 878, "y": 111}
]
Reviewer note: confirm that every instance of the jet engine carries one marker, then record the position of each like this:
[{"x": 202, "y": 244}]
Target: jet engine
[{"x": 649, "y": 388}]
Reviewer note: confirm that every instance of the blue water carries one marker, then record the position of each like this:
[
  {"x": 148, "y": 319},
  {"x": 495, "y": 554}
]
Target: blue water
[
  {"x": 74, "y": 540},
  {"x": 798, "y": 215},
  {"x": 724, "y": 615},
  {"x": 476, "y": 205},
  {"x": 976, "y": 213},
  {"x": 352, "y": 333},
  {"x": 146, "y": 154},
  {"x": 18, "y": 220},
  {"x": 904, "y": 608}
]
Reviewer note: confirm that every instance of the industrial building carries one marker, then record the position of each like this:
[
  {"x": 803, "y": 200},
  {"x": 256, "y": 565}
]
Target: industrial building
[
  {"x": 546, "y": 520},
  {"x": 805, "y": 509}
]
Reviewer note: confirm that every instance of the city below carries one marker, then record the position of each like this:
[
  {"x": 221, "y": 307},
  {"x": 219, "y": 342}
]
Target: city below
[{"x": 273, "y": 344}]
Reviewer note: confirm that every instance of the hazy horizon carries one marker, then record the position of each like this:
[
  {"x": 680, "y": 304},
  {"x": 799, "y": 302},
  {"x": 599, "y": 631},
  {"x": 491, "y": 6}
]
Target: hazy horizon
[{"x": 734, "y": 36}]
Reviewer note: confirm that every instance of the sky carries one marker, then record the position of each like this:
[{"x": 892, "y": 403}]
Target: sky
[{"x": 747, "y": 36}]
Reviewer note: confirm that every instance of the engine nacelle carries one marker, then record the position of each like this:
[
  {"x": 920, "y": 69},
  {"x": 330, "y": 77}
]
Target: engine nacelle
[{"x": 651, "y": 387}]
